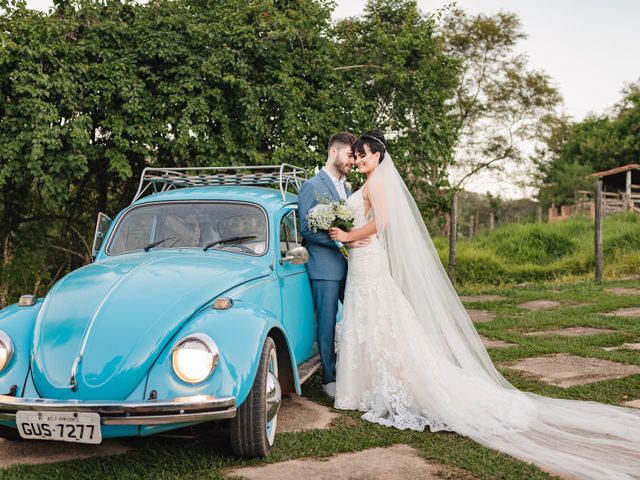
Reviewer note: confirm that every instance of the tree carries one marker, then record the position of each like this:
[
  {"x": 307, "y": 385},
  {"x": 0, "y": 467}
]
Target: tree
[
  {"x": 398, "y": 79},
  {"x": 573, "y": 150},
  {"x": 500, "y": 104},
  {"x": 96, "y": 90}
]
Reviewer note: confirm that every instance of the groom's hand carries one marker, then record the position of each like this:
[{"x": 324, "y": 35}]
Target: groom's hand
[{"x": 363, "y": 242}]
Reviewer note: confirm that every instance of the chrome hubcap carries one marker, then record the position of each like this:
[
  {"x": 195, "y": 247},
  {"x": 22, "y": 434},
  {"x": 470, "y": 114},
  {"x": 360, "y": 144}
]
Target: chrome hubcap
[{"x": 273, "y": 396}]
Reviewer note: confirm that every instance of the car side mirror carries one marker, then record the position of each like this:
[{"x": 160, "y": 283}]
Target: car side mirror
[{"x": 296, "y": 256}]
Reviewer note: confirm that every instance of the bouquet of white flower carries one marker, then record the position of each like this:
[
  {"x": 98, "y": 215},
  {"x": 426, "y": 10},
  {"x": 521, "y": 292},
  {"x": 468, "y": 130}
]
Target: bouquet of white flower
[{"x": 328, "y": 214}]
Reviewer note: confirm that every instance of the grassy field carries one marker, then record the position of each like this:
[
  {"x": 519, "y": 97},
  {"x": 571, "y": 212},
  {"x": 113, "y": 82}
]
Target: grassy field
[
  {"x": 560, "y": 251},
  {"x": 583, "y": 305}
]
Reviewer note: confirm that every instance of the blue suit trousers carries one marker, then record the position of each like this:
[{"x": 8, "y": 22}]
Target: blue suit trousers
[{"x": 326, "y": 294}]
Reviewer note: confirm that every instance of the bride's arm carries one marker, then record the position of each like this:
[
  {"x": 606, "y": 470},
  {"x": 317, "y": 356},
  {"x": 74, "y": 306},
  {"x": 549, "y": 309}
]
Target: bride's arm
[
  {"x": 375, "y": 195},
  {"x": 353, "y": 235}
]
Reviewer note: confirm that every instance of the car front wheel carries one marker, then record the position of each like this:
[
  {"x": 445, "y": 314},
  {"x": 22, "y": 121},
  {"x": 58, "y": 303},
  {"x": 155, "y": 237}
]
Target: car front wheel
[{"x": 253, "y": 430}]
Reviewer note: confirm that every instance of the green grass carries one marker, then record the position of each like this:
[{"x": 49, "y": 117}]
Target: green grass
[
  {"x": 583, "y": 305},
  {"x": 547, "y": 252}
]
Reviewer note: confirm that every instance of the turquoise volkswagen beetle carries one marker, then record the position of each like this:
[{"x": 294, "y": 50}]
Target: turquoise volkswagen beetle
[{"x": 197, "y": 308}]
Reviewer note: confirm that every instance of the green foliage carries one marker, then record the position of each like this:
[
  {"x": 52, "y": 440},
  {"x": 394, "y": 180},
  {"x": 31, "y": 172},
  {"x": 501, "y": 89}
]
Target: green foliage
[
  {"x": 574, "y": 150},
  {"x": 501, "y": 102},
  {"x": 505, "y": 211},
  {"x": 623, "y": 244},
  {"x": 403, "y": 84},
  {"x": 529, "y": 244},
  {"x": 95, "y": 91},
  {"x": 520, "y": 253}
]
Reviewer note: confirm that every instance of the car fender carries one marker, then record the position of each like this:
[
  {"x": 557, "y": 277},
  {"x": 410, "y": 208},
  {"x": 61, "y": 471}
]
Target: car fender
[
  {"x": 239, "y": 334},
  {"x": 18, "y": 322}
]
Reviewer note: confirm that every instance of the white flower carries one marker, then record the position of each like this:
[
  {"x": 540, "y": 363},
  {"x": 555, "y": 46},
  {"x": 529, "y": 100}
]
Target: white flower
[{"x": 325, "y": 215}]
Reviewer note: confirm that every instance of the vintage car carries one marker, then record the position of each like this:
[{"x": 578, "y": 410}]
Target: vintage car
[{"x": 196, "y": 309}]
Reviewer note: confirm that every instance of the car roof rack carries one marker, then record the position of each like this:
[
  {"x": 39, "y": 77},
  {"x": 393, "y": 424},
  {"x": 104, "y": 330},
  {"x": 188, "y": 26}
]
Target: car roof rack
[{"x": 155, "y": 180}]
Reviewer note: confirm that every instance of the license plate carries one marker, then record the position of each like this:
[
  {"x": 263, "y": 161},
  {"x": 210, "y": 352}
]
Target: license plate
[{"x": 67, "y": 427}]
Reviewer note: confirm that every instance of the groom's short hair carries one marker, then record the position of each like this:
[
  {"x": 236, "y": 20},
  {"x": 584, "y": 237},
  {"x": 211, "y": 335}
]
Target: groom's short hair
[{"x": 343, "y": 138}]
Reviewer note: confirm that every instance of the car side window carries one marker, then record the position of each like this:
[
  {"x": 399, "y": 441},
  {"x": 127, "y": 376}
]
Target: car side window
[{"x": 289, "y": 232}]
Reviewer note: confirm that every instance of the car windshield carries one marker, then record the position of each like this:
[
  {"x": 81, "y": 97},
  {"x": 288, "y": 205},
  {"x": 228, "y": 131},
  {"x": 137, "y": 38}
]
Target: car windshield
[{"x": 237, "y": 227}]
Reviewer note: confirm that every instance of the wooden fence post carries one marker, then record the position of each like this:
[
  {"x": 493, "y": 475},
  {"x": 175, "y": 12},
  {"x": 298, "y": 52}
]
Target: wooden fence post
[
  {"x": 472, "y": 225},
  {"x": 627, "y": 192},
  {"x": 453, "y": 233},
  {"x": 539, "y": 213},
  {"x": 492, "y": 220},
  {"x": 598, "y": 231}
]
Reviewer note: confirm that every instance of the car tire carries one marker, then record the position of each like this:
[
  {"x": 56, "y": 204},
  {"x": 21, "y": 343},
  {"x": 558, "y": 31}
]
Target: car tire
[{"x": 252, "y": 433}]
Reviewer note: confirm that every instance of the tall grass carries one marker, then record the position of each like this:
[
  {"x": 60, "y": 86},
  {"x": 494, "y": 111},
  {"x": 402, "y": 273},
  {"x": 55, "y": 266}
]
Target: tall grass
[{"x": 537, "y": 252}]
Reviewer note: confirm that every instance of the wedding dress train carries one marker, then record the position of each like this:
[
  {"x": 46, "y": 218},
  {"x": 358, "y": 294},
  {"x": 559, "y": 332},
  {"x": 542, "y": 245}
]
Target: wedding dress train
[{"x": 410, "y": 357}]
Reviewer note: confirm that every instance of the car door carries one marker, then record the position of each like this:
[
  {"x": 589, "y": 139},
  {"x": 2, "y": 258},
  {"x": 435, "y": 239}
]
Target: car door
[{"x": 297, "y": 303}]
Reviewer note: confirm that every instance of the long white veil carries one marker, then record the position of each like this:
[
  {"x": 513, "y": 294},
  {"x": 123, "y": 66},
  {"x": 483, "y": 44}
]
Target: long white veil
[{"x": 578, "y": 439}]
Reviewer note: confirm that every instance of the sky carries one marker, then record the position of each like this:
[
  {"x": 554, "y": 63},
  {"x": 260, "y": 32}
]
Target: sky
[{"x": 589, "y": 48}]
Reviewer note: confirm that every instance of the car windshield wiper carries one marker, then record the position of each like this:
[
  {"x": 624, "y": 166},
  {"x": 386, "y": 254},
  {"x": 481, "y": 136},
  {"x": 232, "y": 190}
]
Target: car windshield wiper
[
  {"x": 228, "y": 240},
  {"x": 153, "y": 244}
]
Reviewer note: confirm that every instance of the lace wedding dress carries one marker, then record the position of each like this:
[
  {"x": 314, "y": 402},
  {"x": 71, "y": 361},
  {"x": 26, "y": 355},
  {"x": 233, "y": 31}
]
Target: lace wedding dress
[{"x": 409, "y": 357}]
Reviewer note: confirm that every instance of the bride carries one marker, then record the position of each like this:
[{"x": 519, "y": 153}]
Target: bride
[{"x": 410, "y": 357}]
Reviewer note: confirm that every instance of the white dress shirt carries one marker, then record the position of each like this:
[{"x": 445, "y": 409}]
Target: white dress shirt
[{"x": 338, "y": 183}]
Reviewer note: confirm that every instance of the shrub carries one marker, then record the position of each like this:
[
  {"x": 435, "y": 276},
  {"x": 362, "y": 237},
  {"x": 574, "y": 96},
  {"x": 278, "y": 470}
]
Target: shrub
[
  {"x": 530, "y": 244},
  {"x": 540, "y": 252}
]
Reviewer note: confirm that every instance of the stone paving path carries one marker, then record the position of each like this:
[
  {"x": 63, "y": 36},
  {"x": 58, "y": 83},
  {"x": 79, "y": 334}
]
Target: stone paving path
[
  {"x": 565, "y": 370},
  {"x": 492, "y": 343},
  {"x": 300, "y": 413},
  {"x": 624, "y": 346},
  {"x": 625, "y": 312},
  {"x": 481, "y": 298},
  {"x": 540, "y": 304},
  {"x": 571, "y": 332},
  {"x": 481, "y": 316},
  {"x": 624, "y": 291},
  {"x": 399, "y": 462}
]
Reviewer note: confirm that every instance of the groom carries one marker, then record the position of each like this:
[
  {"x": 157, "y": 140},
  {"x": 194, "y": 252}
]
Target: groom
[{"x": 327, "y": 268}]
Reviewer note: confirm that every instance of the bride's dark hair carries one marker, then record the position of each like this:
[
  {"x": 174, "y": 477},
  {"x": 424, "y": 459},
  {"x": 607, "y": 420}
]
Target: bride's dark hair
[{"x": 374, "y": 139}]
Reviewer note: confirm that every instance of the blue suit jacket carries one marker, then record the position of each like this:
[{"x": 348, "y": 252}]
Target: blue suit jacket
[{"x": 325, "y": 260}]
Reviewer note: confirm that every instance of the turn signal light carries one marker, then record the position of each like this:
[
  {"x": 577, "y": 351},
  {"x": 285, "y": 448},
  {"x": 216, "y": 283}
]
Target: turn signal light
[{"x": 223, "y": 303}]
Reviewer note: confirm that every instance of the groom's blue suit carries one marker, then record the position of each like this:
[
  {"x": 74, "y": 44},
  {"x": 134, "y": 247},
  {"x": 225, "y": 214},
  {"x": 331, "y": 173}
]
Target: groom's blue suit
[{"x": 327, "y": 270}]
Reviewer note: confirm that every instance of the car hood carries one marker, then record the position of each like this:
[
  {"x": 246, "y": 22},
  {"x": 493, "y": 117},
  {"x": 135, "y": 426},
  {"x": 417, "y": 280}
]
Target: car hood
[{"x": 120, "y": 313}]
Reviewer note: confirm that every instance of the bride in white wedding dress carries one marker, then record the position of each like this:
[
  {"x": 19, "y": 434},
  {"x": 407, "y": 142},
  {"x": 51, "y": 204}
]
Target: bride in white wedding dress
[{"x": 410, "y": 357}]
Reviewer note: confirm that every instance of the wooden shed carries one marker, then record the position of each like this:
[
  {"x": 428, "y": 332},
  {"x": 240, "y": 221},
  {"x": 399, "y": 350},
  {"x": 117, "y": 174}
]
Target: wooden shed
[{"x": 620, "y": 188}]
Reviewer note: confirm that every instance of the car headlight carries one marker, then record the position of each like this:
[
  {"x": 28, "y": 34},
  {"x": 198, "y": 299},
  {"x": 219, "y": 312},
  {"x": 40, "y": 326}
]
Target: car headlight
[
  {"x": 194, "y": 358},
  {"x": 6, "y": 350}
]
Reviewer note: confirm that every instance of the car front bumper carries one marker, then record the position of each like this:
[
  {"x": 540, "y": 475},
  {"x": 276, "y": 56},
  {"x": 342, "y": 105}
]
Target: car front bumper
[{"x": 197, "y": 408}]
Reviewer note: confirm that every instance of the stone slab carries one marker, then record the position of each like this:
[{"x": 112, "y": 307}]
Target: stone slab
[
  {"x": 571, "y": 332},
  {"x": 492, "y": 343},
  {"x": 624, "y": 291},
  {"x": 481, "y": 316},
  {"x": 624, "y": 346},
  {"x": 399, "y": 462},
  {"x": 625, "y": 312},
  {"x": 481, "y": 298},
  {"x": 299, "y": 413},
  {"x": 540, "y": 304},
  {"x": 632, "y": 403},
  {"x": 565, "y": 370},
  {"x": 32, "y": 452}
]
